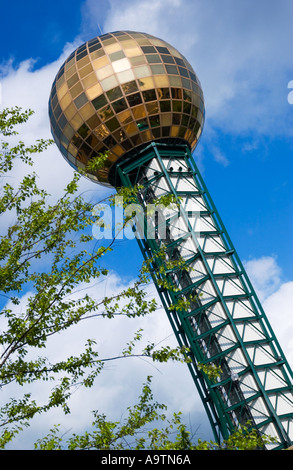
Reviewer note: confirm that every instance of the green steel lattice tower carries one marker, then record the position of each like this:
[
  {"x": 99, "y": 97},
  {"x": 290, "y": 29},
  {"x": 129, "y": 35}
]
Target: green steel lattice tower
[{"x": 136, "y": 97}]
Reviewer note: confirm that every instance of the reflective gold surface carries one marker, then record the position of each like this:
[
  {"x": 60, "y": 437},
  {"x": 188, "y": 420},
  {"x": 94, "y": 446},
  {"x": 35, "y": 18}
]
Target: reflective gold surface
[{"x": 119, "y": 91}]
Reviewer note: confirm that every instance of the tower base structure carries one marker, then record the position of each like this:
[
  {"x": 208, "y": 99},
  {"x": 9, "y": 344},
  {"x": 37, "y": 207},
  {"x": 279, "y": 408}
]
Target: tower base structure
[{"x": 209, "y": 300}]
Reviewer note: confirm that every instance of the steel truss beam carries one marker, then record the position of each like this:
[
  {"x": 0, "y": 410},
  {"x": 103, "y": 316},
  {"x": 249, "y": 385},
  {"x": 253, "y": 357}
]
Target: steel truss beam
[{"x": 224, "y": 323}]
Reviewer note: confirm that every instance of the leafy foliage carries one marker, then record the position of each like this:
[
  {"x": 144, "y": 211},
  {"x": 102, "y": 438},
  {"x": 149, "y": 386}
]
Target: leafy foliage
[
  {"x": 133, "y": 432},
  {"x": 48, "y": 252}
]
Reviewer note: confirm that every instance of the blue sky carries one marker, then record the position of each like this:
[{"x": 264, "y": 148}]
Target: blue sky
[
  {"x": 40, "y": 29},
  {"x": 242, "y": 53}
]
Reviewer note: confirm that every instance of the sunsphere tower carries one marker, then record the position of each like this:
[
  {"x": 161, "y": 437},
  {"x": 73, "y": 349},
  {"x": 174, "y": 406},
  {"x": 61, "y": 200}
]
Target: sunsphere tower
[{"x": 137, "y": 97}]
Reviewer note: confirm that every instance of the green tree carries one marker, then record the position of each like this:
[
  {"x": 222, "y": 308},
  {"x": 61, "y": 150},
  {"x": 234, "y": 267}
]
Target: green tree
[
  {"x": 50, "y": 252},
  {"x": 135, "y": 432}
]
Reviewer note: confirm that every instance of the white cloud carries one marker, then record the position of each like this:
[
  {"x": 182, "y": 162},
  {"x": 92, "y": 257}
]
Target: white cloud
[
  {"x": 219, "y": 156},
  {"x": 240, "y": 50},
  {"x": 265, "y": 275},
  {"x": 119, "y": 384},
  {"x": 279, "y": 309},
  {"x": 276, "y": 297},
  {"x": 30, "y": 89}
]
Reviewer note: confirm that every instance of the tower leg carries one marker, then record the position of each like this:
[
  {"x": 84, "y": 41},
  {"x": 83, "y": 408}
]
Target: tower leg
[{"x": 210, "y": 301}]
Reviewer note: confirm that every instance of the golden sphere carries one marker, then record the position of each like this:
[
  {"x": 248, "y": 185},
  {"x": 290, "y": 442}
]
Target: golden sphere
[{"x": 120, "y": 91}]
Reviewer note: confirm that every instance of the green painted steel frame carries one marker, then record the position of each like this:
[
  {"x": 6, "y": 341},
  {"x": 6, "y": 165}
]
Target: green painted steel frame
[{"x": 219, "y": 412}]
